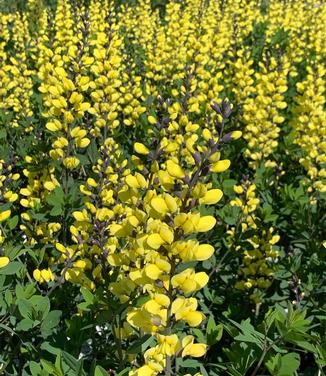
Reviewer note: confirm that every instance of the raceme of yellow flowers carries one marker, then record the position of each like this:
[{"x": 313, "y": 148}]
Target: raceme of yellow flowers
[
  {"x": 258, "y": 251},
  {"x": 101, "y": 75}
]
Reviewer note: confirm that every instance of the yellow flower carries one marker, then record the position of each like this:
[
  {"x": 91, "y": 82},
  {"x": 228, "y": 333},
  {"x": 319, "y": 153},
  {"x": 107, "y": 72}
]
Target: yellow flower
[
  {"x": 5, "y": 215},
  {"x": 140, "y": 148},
  {"x": 189, "y": 281},
  {"x": 168, "y": 345},
  {"x": 220, "y": 166},
  {"x": 174, "y": 170},
  {"x": 212, "y": 196},
  {"x": 4, "y": 261},
  {"x": 43, "y": 276},
  {"x": 185, "y": 309},
  {"x": 71, "y": 162},
  {"x": 190, "y": 348}
]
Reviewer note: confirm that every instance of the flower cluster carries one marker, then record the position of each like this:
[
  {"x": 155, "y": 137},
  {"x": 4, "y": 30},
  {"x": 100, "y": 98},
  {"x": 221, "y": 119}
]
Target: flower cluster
[{"x": 256, "y": 244}]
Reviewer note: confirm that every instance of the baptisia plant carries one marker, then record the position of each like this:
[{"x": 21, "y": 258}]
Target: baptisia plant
[{"x": 158, "y": 225}]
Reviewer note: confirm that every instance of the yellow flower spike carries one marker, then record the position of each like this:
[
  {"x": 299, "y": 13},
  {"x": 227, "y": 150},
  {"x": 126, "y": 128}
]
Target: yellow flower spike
[
  {"x": 211, "y": 197},
  {"x": 205, "y": 223},
  {"x": 220, "y": 166},
  {"x": 5, "y": 215},
  {"x": 174, "y": 170},
  {"x": 4, "y": 261},
  {"x": 196, "y": 350},
  {"x": 140, "y": 148}
]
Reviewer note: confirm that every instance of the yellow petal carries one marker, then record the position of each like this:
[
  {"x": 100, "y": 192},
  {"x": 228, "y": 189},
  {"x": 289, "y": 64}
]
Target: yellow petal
[
  {"x": 211, "y": 197},
  {"x": 236, "y": 134},
  {"x": 140, "y": 148},
  {"x": 204, "y": 252},
  {"x": 155, "y": 241},
  {"x": 206, "y": 223},
  {"x": 201, "y": 279},
  {"x": 195, "y": 350},
  {"x": 159, "y": 204},
  {"x": 5, "y": 215},
  {"x": 194, "y": 318},
  {"x": 167, "y": 235},
  {"x": 132, "y": 181},
  {"x": 174, "y": 169},
  {"x": 152, "y": 271},
  {"x": 4, "y": 261},
  {"x": 220, "y": 166},
  {"x": 171, "y": 203}
]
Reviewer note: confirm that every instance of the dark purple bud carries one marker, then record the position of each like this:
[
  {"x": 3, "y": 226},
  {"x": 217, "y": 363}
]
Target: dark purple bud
[
  {"x": 226, "y": 109},
  {"x": 216, "y": 108},
  {"x": 227, "y": 137},
  {"x": 197, "y": 157},
  {"x": 186, "y": 179}
]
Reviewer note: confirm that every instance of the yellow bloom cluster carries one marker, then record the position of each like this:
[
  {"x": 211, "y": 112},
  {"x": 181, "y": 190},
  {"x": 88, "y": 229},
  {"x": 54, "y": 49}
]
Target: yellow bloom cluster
[
  {"x": 259, "y": 254},
  {"x": 309, "y": 124},
  {"x": 7, "y": 197},
  {"x": 262, "y": 112}
]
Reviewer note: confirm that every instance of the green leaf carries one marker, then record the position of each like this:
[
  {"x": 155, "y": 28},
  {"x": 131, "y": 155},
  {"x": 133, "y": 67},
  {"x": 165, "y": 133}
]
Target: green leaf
[
  {"x": 188, "y": 363},
  {"x": 41, "y": 306},
  {"x": 100, "y": 371},
  {"x": 56, "y": 210},
  {"x": 25, "y": 325},
  {"x": 285, "y": 365},
  {"x": 46, "y": 346},
  {"x": 141, "y": 345},
  {"x": 25, "y": 308},
  {"x": 87, "y": 295},
  {"x": 12, "y": 268},
  {"x": 124, "y": 372},
  {"x": 3, "y": 133},
  {"x": 75, "y": 365},
  {"x": 48, "y": 366},
  {"x": 13, "y": 222},
  {"x": 50, "y": 322},
  {"x": 35, "y": 368}
]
